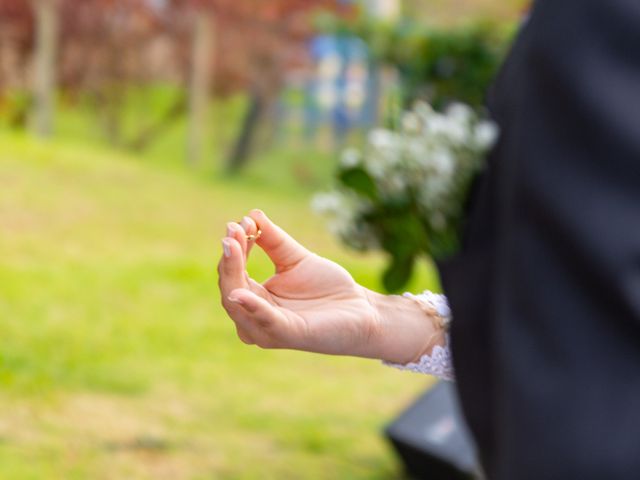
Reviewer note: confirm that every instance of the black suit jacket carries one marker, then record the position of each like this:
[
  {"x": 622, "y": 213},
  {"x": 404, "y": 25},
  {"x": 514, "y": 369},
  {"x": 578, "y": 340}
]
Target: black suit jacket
[{"x": 546, "y": 290}]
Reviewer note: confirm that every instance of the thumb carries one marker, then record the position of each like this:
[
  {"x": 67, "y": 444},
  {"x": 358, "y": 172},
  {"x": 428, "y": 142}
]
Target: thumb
[{"x": 282, "y": 249}]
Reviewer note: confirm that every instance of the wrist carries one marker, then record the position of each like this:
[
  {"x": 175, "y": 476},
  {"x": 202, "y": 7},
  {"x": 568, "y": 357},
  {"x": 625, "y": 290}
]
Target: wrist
[{"x": 405, "y": 330}]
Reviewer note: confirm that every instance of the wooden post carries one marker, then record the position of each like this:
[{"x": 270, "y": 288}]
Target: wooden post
[
  {"x": 200, "y": 82},
  {"x": 44, "y": 82}
]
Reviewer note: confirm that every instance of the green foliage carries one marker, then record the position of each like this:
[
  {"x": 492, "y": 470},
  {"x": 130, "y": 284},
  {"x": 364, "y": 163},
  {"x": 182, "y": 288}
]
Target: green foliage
[
  {"x": 437, "y": 64},
  {"x": 398, "y": 273},
  {"x": 358, "y": 180},
  {"x": 405, "y": 192},
  {"x": 403, "y": 236},
  {"x": 442, "y": 66},
  {"x": 14, "y": 109}
]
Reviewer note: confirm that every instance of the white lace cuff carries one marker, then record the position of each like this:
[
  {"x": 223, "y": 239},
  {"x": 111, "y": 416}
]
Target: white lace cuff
[{"x": 439, "y": 363}]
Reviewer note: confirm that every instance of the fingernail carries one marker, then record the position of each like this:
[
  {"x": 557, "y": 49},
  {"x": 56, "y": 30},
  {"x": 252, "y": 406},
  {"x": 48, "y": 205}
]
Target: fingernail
[
  {"x": 246, "y": 224},
  {"x": 230, "y": 229},
  {"x": 226, "y": 248}
]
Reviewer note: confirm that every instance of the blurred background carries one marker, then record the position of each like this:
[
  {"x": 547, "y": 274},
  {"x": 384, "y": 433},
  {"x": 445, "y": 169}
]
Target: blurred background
[{"x": 131, "y": 131}]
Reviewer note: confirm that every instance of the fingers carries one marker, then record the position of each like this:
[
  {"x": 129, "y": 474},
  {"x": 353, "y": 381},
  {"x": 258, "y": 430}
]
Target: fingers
[
  {"x": 255, "y": 317},
  {"x": 251, "y": 230},
  {"x": 258, "y": 319},
  {"x": 232, "y": 276},
  {"x": 231, "y": 268},
  {"x": 244, "y": 232},
  {"x": 235, "y": 231},
  {"x": 283, "y": 250}
]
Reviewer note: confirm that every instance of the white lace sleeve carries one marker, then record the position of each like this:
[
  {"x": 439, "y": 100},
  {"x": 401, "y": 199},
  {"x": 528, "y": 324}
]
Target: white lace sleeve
[{"x": 439, "y": 363}]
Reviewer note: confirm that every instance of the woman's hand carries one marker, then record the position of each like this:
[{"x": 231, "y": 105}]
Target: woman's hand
[{"x": 312, "y": 303}]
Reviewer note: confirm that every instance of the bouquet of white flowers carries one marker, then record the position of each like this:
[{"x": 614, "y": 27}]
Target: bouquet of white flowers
[{"x": 405, "y": 192}]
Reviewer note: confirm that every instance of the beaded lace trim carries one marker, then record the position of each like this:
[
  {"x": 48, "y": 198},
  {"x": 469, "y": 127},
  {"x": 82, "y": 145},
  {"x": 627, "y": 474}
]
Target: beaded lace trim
[{"x": 439, "y": 363}]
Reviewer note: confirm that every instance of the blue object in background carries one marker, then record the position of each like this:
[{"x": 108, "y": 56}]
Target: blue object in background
[{"x": 342, "y": 90}]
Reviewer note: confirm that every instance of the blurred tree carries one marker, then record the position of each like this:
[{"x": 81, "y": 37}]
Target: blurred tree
[
  {"x": 109, "y": 48},
  {"x": 275, "y": 33},
  {"x": 437, "y": 64},
  {"x": 16, "y": 41},
  {"x": 199, "y": 85},
  {"x": 44, "y": 79},
  {"x": 249, "y": 50}
]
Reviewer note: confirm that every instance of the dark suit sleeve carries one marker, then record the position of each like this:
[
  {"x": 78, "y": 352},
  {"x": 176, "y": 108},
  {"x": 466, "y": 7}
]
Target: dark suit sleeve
[{"x": 566, "y": 304}]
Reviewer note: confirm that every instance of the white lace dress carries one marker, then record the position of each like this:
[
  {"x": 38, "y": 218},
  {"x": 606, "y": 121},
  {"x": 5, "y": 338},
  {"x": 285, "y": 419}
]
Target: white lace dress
[{"x": 439, "y": 362}]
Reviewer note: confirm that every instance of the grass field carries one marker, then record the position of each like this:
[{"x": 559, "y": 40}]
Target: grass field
[{"x": 116, "y": 360}]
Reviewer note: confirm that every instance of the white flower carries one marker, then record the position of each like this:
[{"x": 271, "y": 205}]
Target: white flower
[
  {"x": 432, "y": 193},
  {"x": 410, "y": 122},
  {"x": 446, "y": 129},
  {"x": 381, "y": 138},
  {"x": 427, "y": 163},
  {"x": 485, "y": 135},
  {"x": 326, "y": 203},
  {"x": 376, "y": 169},
  {"x": 443, "y": 161},
  {"x": 436, "y": 125},
  {"x": 457, "y": 132},
  {"x": 343, "y": 211},
  {"x": 460, "y": 112},
  {"x": 350, "y": 158},
  {"x": 423, "y": 109}
]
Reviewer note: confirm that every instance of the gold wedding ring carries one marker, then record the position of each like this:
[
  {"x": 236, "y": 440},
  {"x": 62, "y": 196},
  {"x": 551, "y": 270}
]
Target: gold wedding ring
[{"x": 251, "y": 238}]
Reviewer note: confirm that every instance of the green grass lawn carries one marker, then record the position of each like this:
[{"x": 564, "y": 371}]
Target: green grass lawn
[{"x": 116, "y": 360}]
